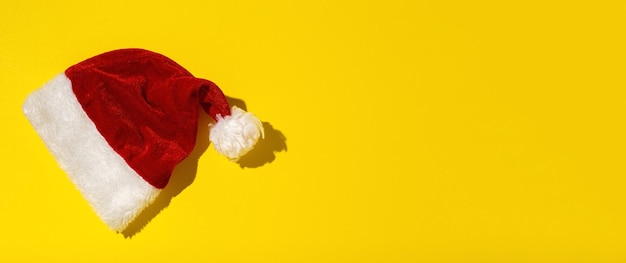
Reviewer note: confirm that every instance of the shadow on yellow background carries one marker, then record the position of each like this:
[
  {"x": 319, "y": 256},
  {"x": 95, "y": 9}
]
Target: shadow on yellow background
[{"x": 185, "y": 172}]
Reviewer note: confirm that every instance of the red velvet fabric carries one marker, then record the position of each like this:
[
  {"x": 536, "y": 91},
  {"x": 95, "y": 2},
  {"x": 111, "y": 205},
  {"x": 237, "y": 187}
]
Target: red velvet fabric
[{"x": 146, "y": 107}]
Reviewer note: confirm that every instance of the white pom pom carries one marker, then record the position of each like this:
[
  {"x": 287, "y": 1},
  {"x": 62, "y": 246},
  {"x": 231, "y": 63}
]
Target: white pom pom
[{"x": 235, "y": 135}]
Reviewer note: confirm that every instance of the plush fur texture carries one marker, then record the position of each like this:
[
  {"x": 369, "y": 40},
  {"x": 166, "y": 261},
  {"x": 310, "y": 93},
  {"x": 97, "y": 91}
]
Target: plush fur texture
[
  {"x": 235, "y": 135},
  {"x": 115, "y": 191}
]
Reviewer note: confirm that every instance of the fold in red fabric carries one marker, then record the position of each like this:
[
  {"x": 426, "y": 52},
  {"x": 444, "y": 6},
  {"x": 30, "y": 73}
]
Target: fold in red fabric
[{"x": 146, "y": 107}]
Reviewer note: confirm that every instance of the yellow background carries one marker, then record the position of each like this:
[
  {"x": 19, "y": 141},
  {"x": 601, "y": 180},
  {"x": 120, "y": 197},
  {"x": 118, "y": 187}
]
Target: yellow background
[{"x": 415, "y": 131}]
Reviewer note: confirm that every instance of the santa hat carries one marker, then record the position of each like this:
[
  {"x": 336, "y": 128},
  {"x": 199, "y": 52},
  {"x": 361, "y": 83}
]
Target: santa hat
[{"x": 120, "y": 122}]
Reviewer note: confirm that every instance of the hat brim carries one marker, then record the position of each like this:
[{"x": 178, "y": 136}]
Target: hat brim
[{"x": 115, "y": 191}]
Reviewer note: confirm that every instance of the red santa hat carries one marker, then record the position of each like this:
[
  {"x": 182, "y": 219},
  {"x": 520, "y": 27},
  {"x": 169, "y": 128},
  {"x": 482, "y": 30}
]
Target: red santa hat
[{"x": 120, "y": 122}]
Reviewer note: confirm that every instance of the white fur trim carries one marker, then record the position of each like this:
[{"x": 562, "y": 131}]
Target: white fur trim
[
  {"x": 115, "y": 191},
  {"x": 235, "y": 135}
]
